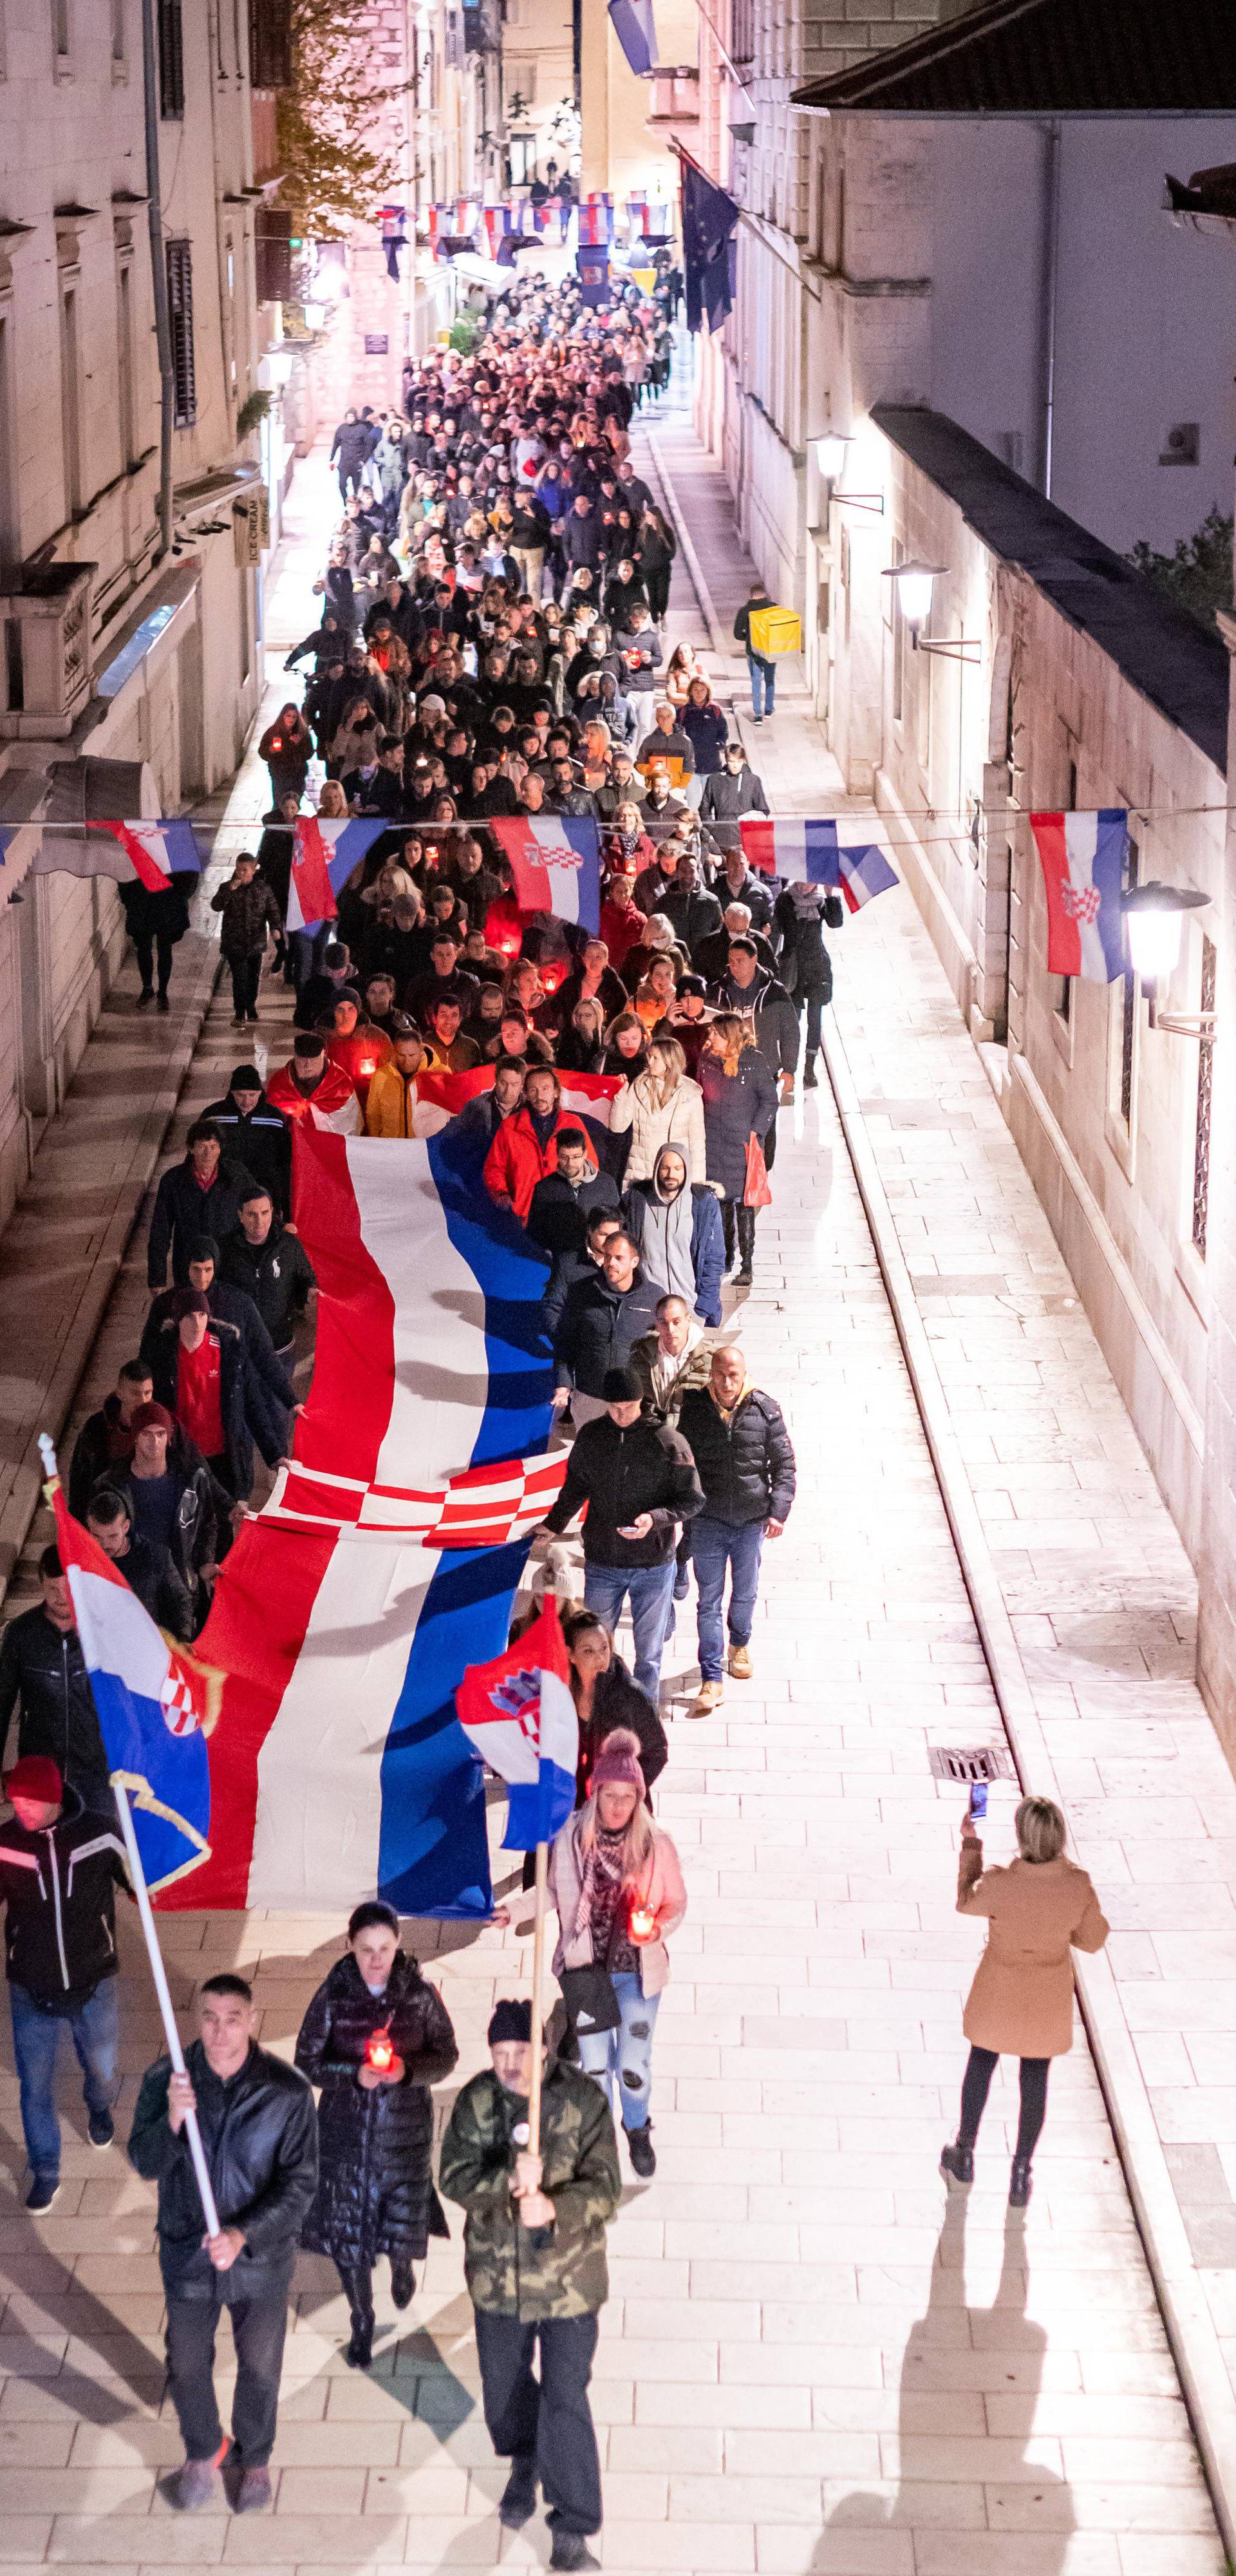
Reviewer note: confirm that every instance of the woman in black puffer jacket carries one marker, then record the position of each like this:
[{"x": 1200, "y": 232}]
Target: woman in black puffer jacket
[{"x": 375, "y": 2190}]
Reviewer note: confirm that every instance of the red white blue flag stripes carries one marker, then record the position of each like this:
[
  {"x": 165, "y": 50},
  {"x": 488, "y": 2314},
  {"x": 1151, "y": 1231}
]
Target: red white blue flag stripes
[
  {"x": 555, "y": 864},
  {"x": 324, "y": 853},
  {"x": 809, "y": 849},
  {"x": 1083, "y": 860},
  {"x": 155, "y": 1705},
  {"x": 519, "y": 1713}
]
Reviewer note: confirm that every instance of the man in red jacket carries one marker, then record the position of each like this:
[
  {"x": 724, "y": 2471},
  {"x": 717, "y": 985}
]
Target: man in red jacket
[
  {"x": 525, "y": 1150},
  {"x": 309, "y": 1087}
]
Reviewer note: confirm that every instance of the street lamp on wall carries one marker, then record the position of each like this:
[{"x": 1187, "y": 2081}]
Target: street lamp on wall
[
  {"x": 830, "y": 456},
  {"x": 915, "y": 583},
  {"x": 1154, "y": 916}
]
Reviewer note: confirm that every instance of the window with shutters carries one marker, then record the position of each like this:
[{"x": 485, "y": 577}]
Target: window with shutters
[
  {"x": 171, "y": 59},
  {"x": 270, "y": 44},
  {"x": 180, "y": 313}
]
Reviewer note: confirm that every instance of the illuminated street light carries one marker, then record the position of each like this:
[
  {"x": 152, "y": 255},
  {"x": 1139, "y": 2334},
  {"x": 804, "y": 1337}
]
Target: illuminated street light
[
  {"x": 1154, "y": 917},
  {"x": 279, "y": 365},
  {"x": 914, "y": 587},
  {"x": 830, "y": 454}
]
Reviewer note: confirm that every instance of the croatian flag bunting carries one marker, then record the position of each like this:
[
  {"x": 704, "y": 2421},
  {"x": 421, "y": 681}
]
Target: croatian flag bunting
[
  {"x": 1083, "y": 861},
  {"x": 324, "y": 853},
  {"x": 596, "y": 223},
  {"x": 519, "y": 1714},
  {"x": 149, "y": 853},
  {"x": 809, "y": 851},
  {"x": 338, "y": 1765},
  {"x": 863, "y": 873},
  {"x": 155, "y": 1705},
  {"x": 555, "y": 864}
]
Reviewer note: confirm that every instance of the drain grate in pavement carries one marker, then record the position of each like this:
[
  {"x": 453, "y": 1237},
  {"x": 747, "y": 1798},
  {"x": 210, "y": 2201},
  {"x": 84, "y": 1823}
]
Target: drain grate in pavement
[{"x": 975, "y": 1762}]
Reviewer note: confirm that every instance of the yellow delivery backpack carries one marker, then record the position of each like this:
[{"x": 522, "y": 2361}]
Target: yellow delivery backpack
[{"x": 775, "y": 630}]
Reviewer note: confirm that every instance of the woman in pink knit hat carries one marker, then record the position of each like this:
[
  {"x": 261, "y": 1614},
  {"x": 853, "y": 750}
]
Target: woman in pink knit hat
[{"x": 616, "y": 1882}]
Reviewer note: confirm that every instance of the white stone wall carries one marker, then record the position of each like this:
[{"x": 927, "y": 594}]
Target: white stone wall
[
  {"x": 1119, "y": 1193},
  {"x": 75, "y": 177}
]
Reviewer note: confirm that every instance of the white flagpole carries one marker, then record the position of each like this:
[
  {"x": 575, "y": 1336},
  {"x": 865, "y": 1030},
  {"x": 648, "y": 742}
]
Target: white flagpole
[
  {"x": 153, "y": 1952},
  {"x": 538, "y": 1997}
]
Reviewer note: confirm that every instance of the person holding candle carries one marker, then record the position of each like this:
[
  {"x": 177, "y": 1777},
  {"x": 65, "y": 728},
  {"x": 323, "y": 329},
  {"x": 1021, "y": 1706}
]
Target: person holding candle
[
  {"x": 616, "y": 1881},
  {"x": 534, "y": 2259},
  {"x": 375, "y": 2037}
]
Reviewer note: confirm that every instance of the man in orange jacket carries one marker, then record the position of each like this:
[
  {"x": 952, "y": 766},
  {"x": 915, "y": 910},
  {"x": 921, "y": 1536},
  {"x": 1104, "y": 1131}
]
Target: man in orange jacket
[{"x": 525, "y": 1151}]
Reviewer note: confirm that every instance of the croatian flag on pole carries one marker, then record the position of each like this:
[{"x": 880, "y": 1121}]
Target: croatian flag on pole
[
  {"x": 555, "y": 864},
  {"x": 150, "y": 853},
  {"x": 338, "y": 1766},
  {"x": 596, "y": 214},
  {"x": 519, "y": 1714},
  {"x": 1083, "y": 858},
  {"x": 155, "y": 1705},
  {"x": 324, "y": 853}
]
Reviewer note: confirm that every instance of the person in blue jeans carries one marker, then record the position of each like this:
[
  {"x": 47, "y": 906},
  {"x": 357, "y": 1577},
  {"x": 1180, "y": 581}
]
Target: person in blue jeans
[
  {"x": 638, "y": 1482},
  {"x": 761, "y": 672},
  {"x": 59, "y": 1871},
  {"x": 744, "y": 1459},
  {"x": 616, "y": 1884}
]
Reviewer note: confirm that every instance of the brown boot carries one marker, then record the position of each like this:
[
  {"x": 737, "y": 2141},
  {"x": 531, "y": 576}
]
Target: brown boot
[{"x": 710, "y": 1696}]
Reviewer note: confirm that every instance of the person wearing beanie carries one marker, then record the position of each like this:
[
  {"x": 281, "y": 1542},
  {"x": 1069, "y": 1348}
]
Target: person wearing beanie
[
  {"x": 616, "y": 1883},
  {"x": 639, "y": 1484},
  {"x": 202, "y": 1373},
  {"x": 59, "y": 1871},
  {"x": 43, "y": 1676},
  {"x": 534, "y": 2258},
  {"x": 310, "y": 1087},
  {"x": 175, "y": 1500},
  {"x": 375, "y": 2190},
  {"x": 255, "y": 1134},
  {"x": 226, "y": 1304}
]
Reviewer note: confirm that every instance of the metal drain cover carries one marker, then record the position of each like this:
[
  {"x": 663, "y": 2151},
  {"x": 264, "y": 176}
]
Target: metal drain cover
[{"x": 980, "y": 1762}]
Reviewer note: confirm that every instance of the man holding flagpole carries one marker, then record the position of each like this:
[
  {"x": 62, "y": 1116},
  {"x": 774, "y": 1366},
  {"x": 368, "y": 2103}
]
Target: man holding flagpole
[{"x": 530, "y": 2151}]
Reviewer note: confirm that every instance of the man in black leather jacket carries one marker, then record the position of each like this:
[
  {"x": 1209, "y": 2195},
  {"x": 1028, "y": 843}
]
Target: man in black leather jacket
[
  {"x": 259, "y": 2135},
  {"x": 43, "y": 1676}
]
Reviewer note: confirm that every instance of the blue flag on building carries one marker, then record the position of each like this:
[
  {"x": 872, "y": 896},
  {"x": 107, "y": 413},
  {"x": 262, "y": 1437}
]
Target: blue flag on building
[
  {"x": 709, "y": 222},
  {"x": 635, "y": 29}
]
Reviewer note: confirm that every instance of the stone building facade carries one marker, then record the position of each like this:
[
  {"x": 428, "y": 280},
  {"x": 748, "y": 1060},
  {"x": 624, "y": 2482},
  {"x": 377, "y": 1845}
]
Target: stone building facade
[{"x": 112, "y": 645}]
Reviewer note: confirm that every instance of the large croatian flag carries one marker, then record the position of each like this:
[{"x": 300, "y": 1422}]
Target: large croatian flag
[
  {"x": 1083, "y": 858},
  {"x": 555, "y": 864},
  {"x": 338, "y": 1767},
  {"x": 324, "y": 853},
  {"x": 155, "y": 1705},
  {"x": 519, "y": 1714}
]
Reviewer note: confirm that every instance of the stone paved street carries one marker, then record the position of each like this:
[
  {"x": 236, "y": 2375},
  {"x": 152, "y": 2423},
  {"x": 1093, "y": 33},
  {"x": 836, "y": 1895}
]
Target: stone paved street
[{"x": 809, "y": 2362}]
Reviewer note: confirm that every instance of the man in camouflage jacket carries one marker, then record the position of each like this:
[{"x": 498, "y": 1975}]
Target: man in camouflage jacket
[{"x": 534, "y": 2257}]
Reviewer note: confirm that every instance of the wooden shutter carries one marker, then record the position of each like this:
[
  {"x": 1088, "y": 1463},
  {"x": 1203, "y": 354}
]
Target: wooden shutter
[
  {"x": 171, "y": 59},
  {"x": 270, "y": 44},
  {"x": 180, "y": 304}
]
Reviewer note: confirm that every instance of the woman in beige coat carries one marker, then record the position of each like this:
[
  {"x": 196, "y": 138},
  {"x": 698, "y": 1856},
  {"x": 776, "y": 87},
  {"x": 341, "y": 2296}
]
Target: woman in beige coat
[
  {"x": 1039, "y": 1910},
  {"x": 661, "y": 1107}
]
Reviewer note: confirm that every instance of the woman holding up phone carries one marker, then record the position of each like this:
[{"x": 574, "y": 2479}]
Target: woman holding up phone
[{"x": 1039, "y": 1910}]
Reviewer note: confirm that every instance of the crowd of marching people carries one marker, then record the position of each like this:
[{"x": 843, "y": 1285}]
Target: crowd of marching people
[{"x": 491, "y": 645}]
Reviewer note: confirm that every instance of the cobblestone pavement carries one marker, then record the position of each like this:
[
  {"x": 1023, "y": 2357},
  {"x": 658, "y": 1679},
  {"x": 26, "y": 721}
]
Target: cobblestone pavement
[{"x": 810, "y": 2362}]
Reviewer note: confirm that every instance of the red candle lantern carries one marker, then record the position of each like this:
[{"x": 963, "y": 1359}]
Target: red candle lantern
[
  {"x": 380, "y": 2052},
  {"x": 643, "y": 1923}
]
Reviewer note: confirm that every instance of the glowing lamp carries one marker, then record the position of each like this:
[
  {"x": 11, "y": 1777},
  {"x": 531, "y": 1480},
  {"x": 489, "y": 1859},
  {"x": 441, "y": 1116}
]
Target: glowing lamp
[
  {"x": 380, "y": 2053},
  {"x": 643, "y": 1923},
  {"x": 914, "y": 587},
  {"x": 1154, "y": 921},
  {"x": 830, "y": 454},
  {"x": 279, "y": 365},
  {"x": 368, "y": 1064}
]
